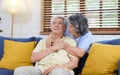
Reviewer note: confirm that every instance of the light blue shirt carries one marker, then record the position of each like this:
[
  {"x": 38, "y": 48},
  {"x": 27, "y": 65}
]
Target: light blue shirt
[{"x": 84, "y": 41}]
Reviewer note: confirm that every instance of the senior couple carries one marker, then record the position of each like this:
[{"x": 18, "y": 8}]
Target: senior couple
[{"x": 60, "y": 52}]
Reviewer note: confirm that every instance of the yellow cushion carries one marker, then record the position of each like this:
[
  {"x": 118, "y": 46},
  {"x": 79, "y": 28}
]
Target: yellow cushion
[
  {"x": 102, "y": 59},
  {"x": 16, "y": 54}
]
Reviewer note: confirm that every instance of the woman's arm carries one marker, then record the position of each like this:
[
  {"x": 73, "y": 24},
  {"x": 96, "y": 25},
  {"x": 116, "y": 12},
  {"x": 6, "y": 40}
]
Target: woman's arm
[
  {"x": 78, "y": 52},
  {"x": 75, "y": 51},
  {"x": 36, "y": 56},
  {"x": 83, "y": 44}
]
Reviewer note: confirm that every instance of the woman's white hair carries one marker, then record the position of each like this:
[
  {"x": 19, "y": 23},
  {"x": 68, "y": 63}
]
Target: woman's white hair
[{"x": 54, "y": 17}]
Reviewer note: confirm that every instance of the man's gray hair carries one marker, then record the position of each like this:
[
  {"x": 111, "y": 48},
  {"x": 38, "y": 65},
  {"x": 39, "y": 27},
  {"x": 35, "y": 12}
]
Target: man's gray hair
[{"x": 54, "y": 17}]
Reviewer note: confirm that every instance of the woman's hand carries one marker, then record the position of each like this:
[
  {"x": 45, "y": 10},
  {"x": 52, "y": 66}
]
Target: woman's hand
[
  {"x": 56, "y": 43},
  {"x": 47, "y": 71},
  {"x": 59, "y": 44}
]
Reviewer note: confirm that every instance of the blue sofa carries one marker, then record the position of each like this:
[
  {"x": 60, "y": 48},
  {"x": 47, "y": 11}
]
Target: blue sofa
[
  {"x": 77, "y": 70},
  {"x": 82, "y": 60},
  {"x": 2, "y": 38}
]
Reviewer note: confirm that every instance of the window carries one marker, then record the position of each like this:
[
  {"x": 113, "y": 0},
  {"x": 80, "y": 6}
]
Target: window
[{"x": 103, "y": 15}]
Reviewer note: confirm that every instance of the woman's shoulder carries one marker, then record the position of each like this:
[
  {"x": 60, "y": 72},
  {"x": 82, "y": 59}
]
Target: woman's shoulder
[{"x": 88, "y": 34}]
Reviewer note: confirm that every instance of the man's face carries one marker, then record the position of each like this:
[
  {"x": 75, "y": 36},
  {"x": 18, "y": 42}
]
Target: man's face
[{"x": 58, "y": 26}]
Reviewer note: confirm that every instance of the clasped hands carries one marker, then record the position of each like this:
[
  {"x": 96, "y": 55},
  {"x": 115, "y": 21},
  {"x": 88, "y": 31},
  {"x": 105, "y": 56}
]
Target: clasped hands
[{"x": 55, "y": 43}]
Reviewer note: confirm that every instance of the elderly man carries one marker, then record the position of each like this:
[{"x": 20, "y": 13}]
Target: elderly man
[{"x": 53, "y": 60}]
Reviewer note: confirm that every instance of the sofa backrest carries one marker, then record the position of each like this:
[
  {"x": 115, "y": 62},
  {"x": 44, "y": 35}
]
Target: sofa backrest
[
  {"x": 112, "y": 41},
  {"x": 2, "y": 38},
  {"x": 83, "y": 59}
]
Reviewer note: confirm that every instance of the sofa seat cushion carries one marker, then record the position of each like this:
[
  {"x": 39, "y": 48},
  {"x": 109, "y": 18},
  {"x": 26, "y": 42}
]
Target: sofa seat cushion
[
  {"x": 103, "y": 59},
  {"x": 6, "y": 71},
  {"x": 16, "y": 54}
]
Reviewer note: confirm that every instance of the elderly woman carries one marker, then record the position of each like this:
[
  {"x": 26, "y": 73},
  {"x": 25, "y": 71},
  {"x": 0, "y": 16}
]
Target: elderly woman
[
  {"x": 78, "y": 30},
  {"x": 54, "y": 60}
]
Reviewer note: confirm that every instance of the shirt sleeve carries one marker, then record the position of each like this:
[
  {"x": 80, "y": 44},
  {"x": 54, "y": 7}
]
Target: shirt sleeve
[
  {"x": 85, "y": 41},
  {"x": 39, "y": 46}
]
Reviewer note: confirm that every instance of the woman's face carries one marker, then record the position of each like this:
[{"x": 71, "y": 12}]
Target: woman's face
[
  {"x": 72, "y": 29},
  {"x": 58, "y": 26}
]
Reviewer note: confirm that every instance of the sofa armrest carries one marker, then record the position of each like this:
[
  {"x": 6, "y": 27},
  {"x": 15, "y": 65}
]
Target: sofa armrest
[{"x": 6, "y": 71}]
